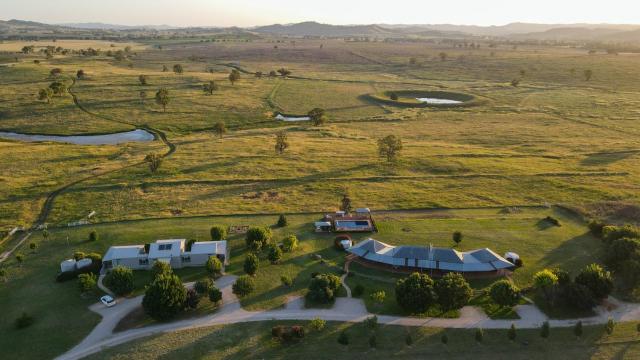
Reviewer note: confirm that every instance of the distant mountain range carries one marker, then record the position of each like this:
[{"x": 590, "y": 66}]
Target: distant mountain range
[{"x": 517, "y": 31}]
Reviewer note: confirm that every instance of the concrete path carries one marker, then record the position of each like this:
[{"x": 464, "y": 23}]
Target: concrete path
[
  {"x": 345, "y": 310},
  {"x": 344, "y": 277}
]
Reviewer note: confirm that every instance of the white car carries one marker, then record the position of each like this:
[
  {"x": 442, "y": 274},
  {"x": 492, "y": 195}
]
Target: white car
[{"x": 108, "y": 301}]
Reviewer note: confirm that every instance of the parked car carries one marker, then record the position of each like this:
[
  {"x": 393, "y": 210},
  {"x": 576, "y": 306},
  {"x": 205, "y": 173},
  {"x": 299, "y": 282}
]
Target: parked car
[{"x": 108, "y": 301}]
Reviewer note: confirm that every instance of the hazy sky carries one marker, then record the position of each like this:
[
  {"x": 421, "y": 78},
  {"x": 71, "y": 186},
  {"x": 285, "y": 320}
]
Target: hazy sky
[{"x": 261, "y": 12}]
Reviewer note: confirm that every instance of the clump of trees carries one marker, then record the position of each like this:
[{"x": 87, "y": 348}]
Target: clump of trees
[
  {"x": 389, "y": 147},
  {"x": 120, "y": 280},
  {"x": 218, "y": 233},
  {"x": 317, "y": 116},
  {"x": 244, "y": 286},
  {"x": 258, "y": 237},
  {"x": 418, "y": 292},
  {"x": 163, "y": 98},
  {"x": 165, "y": 297},
  {"x": 154, "y": 161},
  {"x": 322, "y": 288}
]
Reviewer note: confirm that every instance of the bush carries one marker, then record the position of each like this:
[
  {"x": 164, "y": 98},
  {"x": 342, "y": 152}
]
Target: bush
[
  {"x": 596, "y": 279},
  {"x": 378, "y": 296},
  {"x": 504, "y": 293},
  {"x": 287, "y": 334},
  {"x": 415, "y": 293},
  {"x": 358, "y": 290},
  {"x": 25, "y": 320},
  {"x": 258, "y": 237},
  {"x": 214, "y": 266},
  {"x": 596, "y": 227},
  {"x": 193, "y": 298},
  {"x": 452, "y": 291},
  {"x": 620, "y": 250},
  {"x": 165, "y": 297},
  {"x": 511, "y": 334},
  {"x": 218, "y": 233},
  {"x": 203, "y": 286},
  {"x": 251, "y": 264},
  {"x": 343, "y": 338},
  {"x": 275, "y": 254},
  {"x": 577, "y": 296},
  {"x": 322, "y": 288},
  {"x": 318, "y": 324},
  {"x": 371, "y": 322},
  {"x": 87, "y": 282},
  {"x": 244, "y": 286},
  {"x": 290, "y": 243},
  {"x": 189, "y": 244},
  {"x": 457, "y": 237},
  {"x": 611, "y": 233},
  {"x": 161, "y": 268},
  {"x": 79, "y": 255},
  {"x": 93, "y": 236},
  {"x": 286, "y": 280},
  {"x": 610, "y": 326},
  {"x": 215, "y": 295},
  {"x": 282, "y": 221},
  {"x": 120, "y": 280},
  {"x": 518, "y": 262}
]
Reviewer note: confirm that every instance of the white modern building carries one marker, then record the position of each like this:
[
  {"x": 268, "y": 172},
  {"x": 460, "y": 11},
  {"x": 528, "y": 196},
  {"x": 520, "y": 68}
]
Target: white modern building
[{"x": 173, "y": 252}]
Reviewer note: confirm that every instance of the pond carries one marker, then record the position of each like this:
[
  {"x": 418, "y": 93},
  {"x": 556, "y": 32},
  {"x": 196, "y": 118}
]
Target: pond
[
  {"x": 292, "y": 118},
  {"x": 137, "y": 135},
  {"x": 437, "y": 101}
]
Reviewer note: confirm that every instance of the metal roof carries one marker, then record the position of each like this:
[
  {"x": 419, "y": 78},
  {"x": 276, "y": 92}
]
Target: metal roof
[
  {"x": 209, "y": 247},
  {"x": 124, "y": 252}
]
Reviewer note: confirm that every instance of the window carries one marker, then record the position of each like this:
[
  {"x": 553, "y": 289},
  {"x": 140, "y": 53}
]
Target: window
[
  {"x": 143, "y": 261},
  {"x": 163, "y": 247},
  {"x": 186, "y": 259}
]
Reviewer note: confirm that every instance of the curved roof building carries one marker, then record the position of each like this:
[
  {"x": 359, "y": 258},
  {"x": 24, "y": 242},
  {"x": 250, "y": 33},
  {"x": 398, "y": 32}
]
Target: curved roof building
[{"x": 431, "y": 258}]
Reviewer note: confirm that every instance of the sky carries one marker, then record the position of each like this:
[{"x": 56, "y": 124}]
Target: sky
[{"x": 247, "y": 13}]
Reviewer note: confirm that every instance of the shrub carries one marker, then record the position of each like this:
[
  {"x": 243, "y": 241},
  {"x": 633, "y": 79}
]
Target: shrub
[
  {"x": 287, "y": 334},
  {"x": 452, "y": 291},
  {"x": 504, "y": 293},
  {"x": 378, "y": 296},
  {"x": 275, "y": 254},
  {"x": 511, "y": 334},
  {"x": 258, "y": 237},
  {"x": 286, "y": 280},
  {"x": 415, "y": 293},
  {"x": 298, "y": 331},
  {"x": 611, "y": 233},
  {"x": 282, "y": 221},
  {"x": 358, "y": 290},
  {"x": 215, "y": 295},
  {"x": 23, "y": 321},
  {"x": 193, "y": 298},
  {"x": 371, "y": 322},
  {"x": 244, "y": 286},
  {"x": 393, "y": 96},
  {"x": 214, "y": 266},
  {"x": 87, "y": 282},
  {"x": 577, "y": 296},
  {"x": 79, "y": 255},
  {"x": 544, "y": 330},
  {"x": 165, "y": 297},
  {"x": 322, "y": 288},
  {"x": 596, "y": 279},
  {"x": 161, "y": 268},
  {"x": 218, "y": 233},
  {"x": 479, "y": 335},
  {"x": 343, "y": 338},
  {"x": 277, "y": 331},
  {"x": 251, "y": 264},
  {"x": 93, "y": 236},
  {"x": 457, "y": 237},
  {"x": 518, "y": 262},
  {"x": 33, "y": 246},
  {"x": 620, "y": 250},
  {"x": 203, "y": 286},
  {"x": 120, "y": 280},
  {"x": 318, "y": 324},
  {"x": 610, "y": 326},
  {"x": 544, "y": 280},
  {"x": 290, "y": 243}
]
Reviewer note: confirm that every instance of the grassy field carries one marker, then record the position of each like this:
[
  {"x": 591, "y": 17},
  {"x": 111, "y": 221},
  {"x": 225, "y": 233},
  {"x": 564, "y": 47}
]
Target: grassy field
[{"x": 253, "y": 340}]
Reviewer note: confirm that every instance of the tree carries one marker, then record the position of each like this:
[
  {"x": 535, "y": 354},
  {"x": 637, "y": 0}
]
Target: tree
[
  {"x": 120, "y": 280},
  {"x": 443, "y": 56},
  {"x": 214, "y": 266},
  {"x": 219, "y": 128},
  {"x": 45, "y": 234},
  {"x": 154, "y": 161},
  {"x": 234, "y": 76},
  {"x": 290, "y": 243},
  {"x": 273, "y": 73},
  {"x": 317, "y": 324},
  {"x": 577, "y": 329},
  {"x": 544, "y": 330},
  {"x": 282, "y": 221},
  {"x": 58, "y": 87},
  {"x": 452, "y": 291},
  {"x": 457, "y": 237},
  {"x": 218, "y": 233},
  {"x": 479, "y": 335},
  {"x": 415, "y": 293},
  {"x": 504, "y": 293},
  {"x": 251, "y": 264},
  {"x": 343, "y": 338},
  {"x": 275, "y": 254},
  {"x": 515, "y": 82},
  {"x": 161, "y": 268},
  {"x": 143, "y": 96},
  {"x": 389, "y": 147},
  {"x": 588, "y": 74},
  {"x": 317, "y": 116},
  {"x": 93, "y": 236},
  {"x": 203, "y": 286},
  {"x": 511, "y": 333},
  {"x": 258, "y": 237},
  {"x": 210, "y": 87},
  {"x": 25, "y": 320},
  {"x": 286, "y": 280},
  {"x": 165, "y": 297},
  {"x": 165, "y": 68},
  {"x": 87, "y": 282},
  {"x": 162, "y": 98},
  {"x": 621, "y": 250},
  {"x": 345, "y": 204},
  {"x": 611, "y": 324},
  {"x": 215, "y": 295},
  {"x": 545, "y": 280},
  {"x": 393, "y": 96},
  {"x": 193, "y": 298},
  {"x": 55, "y": 72},
  {"x": 142, "y": 79},
  {"x": 281, "y": 142},
  {"x": 19, "y": 258},
  {"x": 244, "y": 286},
  {"x": 178, "y": 69},
  {"x": 80, "y": 74},
  {"x": 577, "y": 296},
  {"x": 596, "y": 279},
  {"x": 322, "y": 288},
  {"x": 284, "y": 72},
  {"x": 46, "y": 95},
  {"x": 259, "y": 74}
]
